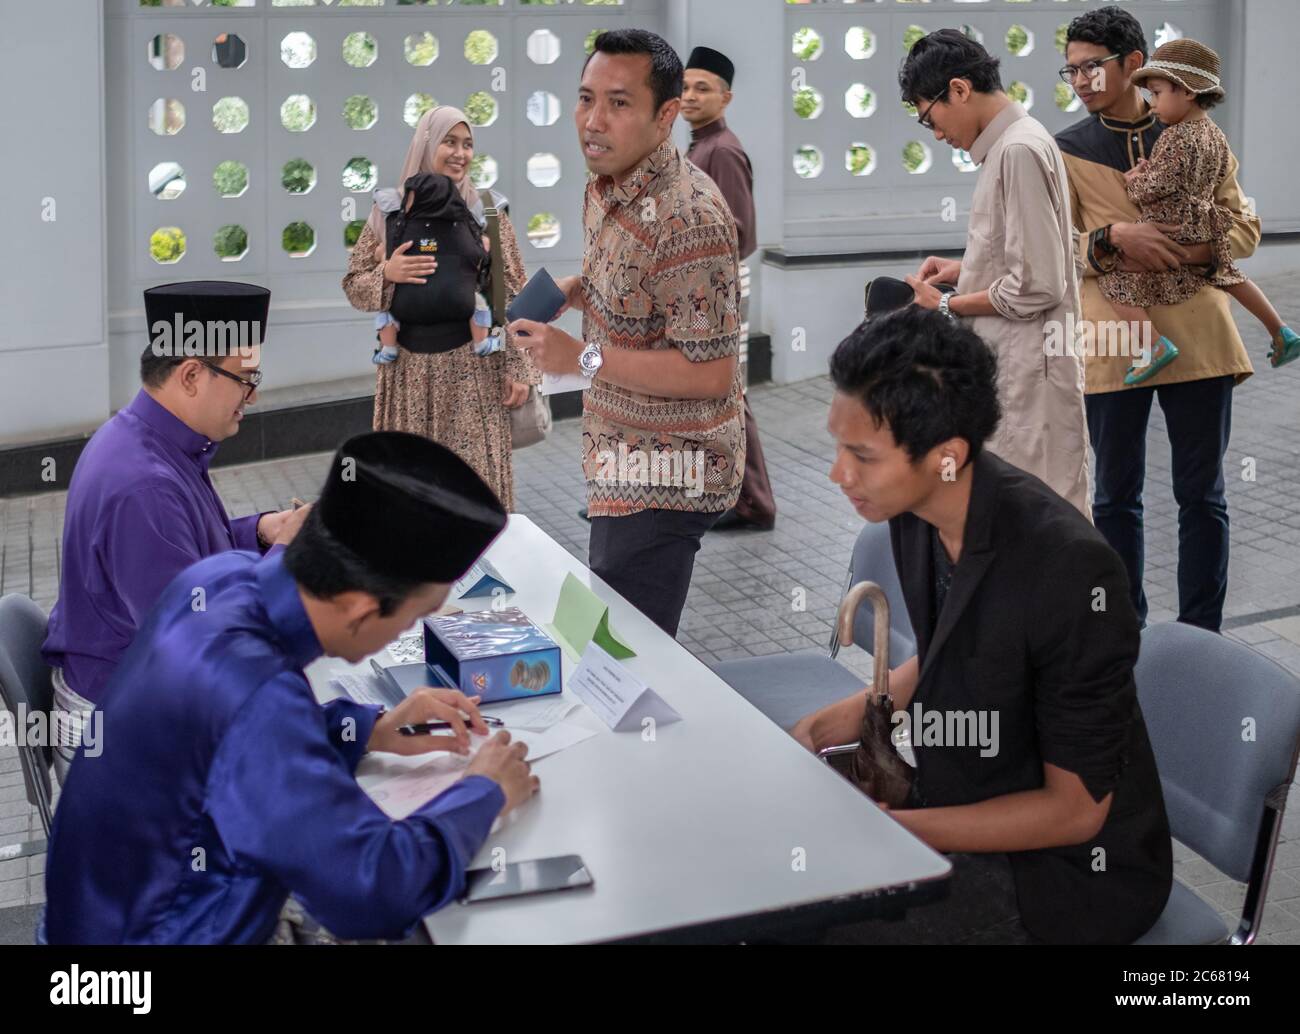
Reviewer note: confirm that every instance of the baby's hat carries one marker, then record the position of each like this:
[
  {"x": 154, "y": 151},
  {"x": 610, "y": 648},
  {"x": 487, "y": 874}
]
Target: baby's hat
[{"x": 1191, "y": 65}]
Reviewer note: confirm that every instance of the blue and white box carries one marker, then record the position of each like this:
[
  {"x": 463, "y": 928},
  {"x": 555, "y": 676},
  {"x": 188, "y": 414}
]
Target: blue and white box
[{"x": 493, "y": 654}]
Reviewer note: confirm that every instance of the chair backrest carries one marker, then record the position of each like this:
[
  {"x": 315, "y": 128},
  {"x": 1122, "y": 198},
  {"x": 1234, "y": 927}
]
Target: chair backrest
[
  {"x": 25, "y": 680},
  {"x": 1224, "y": 722},
  {"x": 873, "y": 561}
]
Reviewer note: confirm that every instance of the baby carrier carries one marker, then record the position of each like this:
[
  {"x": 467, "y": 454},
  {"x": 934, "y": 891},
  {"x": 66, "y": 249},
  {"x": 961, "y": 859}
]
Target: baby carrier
[{"x": 434, "y": 316}]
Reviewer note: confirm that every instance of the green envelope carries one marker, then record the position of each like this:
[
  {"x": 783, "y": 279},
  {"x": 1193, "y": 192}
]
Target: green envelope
[{"x": 581, "y": 618}]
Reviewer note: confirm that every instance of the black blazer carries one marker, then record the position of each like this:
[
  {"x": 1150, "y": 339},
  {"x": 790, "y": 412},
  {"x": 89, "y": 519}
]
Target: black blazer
[{"x": 1038, "y": 630}]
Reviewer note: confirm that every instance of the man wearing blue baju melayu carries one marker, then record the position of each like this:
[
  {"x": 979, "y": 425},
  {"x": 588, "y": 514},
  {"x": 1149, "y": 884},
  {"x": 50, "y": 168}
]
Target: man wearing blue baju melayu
[{"x": 223, "y": 787}]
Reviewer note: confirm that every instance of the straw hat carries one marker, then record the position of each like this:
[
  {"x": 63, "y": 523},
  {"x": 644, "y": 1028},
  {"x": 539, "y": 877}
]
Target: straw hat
[{"x": 1190, "y": 64}]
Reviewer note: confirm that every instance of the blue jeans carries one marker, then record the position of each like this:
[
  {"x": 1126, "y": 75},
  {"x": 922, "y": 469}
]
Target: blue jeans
[{"x": 1198, "y": 415}]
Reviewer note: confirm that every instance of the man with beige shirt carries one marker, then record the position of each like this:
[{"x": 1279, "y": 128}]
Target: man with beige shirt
[{"x": 1016, "y": 281}]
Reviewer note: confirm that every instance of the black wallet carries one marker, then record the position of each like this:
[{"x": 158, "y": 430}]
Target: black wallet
[{"x": 539, "y": 299}]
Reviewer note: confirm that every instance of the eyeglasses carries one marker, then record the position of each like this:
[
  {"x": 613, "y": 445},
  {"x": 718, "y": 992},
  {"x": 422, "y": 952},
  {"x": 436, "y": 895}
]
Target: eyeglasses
[
  {"x": 924, "y": 118},
  {"x": 249, "y": 385},
  {"x": 1089, "y": 68}
]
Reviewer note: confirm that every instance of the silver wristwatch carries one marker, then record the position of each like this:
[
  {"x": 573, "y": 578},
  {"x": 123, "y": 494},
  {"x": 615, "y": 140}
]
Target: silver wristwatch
[
  {"x": 590, "y": 360},
  {"x": 943, "y": 305}
]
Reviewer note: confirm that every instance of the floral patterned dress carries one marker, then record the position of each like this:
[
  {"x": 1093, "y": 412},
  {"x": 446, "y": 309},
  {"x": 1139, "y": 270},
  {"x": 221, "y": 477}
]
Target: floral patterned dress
[
  {"x": 1177, "y": 186},
  {"x": 453, "y": 397}
]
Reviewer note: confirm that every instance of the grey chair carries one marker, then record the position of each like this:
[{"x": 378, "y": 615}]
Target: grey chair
[
  {"x": 25, "y": 682},
  {"x": 1224, "y": 722},
  {"x": 787, "y": 686}
]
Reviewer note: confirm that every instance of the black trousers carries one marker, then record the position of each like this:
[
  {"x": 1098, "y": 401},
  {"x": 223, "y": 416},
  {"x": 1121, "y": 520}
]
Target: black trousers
[
  {"x": 647, "y": 558},
  {"x": 980, "y": 908},
  {"x": 1198, "y": 415}
]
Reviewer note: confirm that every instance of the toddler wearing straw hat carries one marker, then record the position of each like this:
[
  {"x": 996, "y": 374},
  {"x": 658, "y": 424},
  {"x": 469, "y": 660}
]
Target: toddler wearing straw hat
[{"x": 1176, "y": 185}]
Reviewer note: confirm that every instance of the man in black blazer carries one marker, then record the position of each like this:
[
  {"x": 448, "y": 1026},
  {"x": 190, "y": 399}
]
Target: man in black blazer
[{"x": 1025, "y": 630}]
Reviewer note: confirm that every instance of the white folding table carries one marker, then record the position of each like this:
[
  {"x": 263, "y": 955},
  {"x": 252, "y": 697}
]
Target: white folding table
[{"x": 719, "y": 827}]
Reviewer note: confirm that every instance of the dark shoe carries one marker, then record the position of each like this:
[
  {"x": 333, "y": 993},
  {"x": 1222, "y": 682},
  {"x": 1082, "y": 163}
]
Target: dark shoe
[
  {"x": 583, "y": 514},
  {"x": 731, "y": 520}
]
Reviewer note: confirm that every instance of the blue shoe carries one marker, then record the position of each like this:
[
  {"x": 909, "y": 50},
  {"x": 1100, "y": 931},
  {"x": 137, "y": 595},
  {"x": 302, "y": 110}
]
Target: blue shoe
[
  {"x": 383, "y": 357},
  {"x": 1163, "y": 352},
  {"x": 1286, "y": 347}
]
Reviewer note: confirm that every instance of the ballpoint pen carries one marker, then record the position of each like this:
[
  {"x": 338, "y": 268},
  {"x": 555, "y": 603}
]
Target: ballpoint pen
[{"x": 421, "y": 728}]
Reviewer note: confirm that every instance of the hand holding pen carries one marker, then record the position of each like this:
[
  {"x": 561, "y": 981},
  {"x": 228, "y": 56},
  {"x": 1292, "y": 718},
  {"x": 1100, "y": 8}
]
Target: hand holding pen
[
  {"x": 424, "y": 728},
  {"x": 429, "y": 706}
]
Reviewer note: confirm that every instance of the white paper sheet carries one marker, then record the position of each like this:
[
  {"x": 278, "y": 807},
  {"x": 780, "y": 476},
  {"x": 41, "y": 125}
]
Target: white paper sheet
[
  {"x": 400, "y": 784},
  {"x": 538, "y": 713},
  {"x": 361, "y": 688},
  {"x": 557, "y": 384},
  {"x": 558, "y": 737}
]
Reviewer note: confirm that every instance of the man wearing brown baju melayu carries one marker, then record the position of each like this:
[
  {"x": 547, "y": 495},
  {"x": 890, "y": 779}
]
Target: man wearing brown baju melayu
[{"x": 717, "y": 151}]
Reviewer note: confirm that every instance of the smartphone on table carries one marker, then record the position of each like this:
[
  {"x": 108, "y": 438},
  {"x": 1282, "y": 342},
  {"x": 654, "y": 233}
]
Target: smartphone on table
[{"x": 518, "y": 879}]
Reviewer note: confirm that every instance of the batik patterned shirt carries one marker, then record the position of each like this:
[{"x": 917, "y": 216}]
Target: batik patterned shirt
[{"x": 661, "y": 270}]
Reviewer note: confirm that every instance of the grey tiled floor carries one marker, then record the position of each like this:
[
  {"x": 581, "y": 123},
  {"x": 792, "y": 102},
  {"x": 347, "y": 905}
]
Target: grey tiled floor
[{"x": 740, "y": 600}]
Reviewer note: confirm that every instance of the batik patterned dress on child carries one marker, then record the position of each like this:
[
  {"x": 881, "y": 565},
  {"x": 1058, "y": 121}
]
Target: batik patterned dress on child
[{"x": 1177, "y": 186}]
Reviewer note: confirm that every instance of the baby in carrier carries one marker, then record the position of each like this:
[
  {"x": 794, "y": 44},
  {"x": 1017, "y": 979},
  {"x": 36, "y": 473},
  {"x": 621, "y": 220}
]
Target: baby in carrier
[{"x": 431, "y": 317}]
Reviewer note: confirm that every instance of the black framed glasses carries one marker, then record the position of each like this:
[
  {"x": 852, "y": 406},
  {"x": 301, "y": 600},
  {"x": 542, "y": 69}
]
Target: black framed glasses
[
  {"x": 1089, "y": 68},
  {"x": 924, "y": 118},
  {"x": 249, "y": 384}
]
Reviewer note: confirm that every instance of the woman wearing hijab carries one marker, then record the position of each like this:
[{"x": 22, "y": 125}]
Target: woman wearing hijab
[{"x": 457, "y": 398}]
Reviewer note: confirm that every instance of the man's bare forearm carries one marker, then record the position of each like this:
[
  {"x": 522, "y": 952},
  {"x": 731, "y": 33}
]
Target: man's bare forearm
[
  {"x": 667, "y": 373},
  {"x": 1027, "y": 821},
  {"x": 1139, "y": 251}
]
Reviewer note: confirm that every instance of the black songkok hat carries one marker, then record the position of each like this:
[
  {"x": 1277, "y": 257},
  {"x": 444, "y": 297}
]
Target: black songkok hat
[
  {"x": 209, "y": 301},
  {"x": 713, "y": 61},
  {"x": 409, "y": 507}
]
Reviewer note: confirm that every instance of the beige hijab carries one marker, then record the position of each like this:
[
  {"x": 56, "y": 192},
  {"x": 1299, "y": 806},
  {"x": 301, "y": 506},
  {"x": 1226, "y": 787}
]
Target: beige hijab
[{"x": 434, "y": 124}]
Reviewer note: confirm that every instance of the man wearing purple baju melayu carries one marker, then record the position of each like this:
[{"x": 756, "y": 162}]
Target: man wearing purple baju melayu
[
  {"x": 224, "y": 787},
  {"x": 140, "y": 505}
]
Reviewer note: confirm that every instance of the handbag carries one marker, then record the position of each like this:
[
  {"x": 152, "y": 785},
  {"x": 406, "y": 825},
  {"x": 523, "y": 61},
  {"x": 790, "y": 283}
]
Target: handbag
[
  {"x": 531, "y": 422},
  {"x": 886, "y": 293}
]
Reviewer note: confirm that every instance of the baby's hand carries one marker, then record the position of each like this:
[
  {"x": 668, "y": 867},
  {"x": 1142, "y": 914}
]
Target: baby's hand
[{"x": 1139, "y": 168}]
